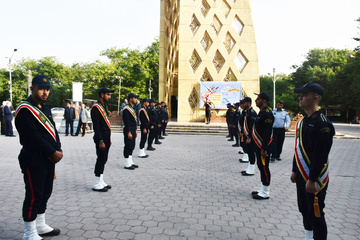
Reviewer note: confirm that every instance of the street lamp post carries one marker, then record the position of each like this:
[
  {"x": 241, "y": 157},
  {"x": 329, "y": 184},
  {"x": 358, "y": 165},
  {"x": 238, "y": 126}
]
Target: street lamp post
[
  {"x": 10, "y": 79},
  {"x": 119, "y": 78},
  {"x": 274, "y": 88},
  {"x": 150, "y": 88}
]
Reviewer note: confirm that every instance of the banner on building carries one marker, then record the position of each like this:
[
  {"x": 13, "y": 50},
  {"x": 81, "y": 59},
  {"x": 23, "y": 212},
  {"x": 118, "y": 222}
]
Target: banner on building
[{"x": 220, "y": 93}]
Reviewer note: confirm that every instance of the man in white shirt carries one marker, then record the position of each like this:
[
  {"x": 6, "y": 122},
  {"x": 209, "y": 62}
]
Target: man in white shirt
[{"x": 280, "y": 126}]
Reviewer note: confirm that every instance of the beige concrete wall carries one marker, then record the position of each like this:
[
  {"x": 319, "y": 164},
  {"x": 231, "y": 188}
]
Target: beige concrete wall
[{"x": 189, "y": 78}]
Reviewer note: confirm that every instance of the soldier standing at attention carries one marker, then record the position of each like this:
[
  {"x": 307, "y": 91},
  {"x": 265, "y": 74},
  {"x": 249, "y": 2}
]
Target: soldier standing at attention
[
  {"x": 310, "y": 172},
  {"x": 102, "y": 134},
  {"x": 158, "y": 126},
  {"x": 249, "y": 119},
  {"x": 144, "y": 127},
  {"x": 227, "y": 116},
  {"x": 166, "y": 120},
  {"x": 129, "y": 131},
  {"x": 235, "y": 124},
  {"x": 41, "y": 150},
  {"x": 153, "y": 124},
  {"x": 262, "y": 137}
]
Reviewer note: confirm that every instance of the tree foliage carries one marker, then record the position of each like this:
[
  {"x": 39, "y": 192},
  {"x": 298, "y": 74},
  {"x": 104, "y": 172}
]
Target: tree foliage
[{"x": 135, "y": 66}]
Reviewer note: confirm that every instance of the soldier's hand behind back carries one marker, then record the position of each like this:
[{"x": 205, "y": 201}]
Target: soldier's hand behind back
[{"x": 56, "y": 157}]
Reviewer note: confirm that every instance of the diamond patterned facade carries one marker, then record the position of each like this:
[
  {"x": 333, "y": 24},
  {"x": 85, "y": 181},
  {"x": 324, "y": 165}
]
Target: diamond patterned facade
[{"x": 213, "y": 40}]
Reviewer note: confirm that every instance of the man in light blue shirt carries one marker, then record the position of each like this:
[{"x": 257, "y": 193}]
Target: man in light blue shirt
[{"x": 281, "y": 124}]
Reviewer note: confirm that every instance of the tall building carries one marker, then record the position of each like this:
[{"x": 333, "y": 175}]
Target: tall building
[{"x": 204, "y": 40}]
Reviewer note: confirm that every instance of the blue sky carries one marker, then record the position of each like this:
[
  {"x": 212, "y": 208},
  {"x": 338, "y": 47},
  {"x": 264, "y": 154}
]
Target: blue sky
[{"x": 78, "y": 30}]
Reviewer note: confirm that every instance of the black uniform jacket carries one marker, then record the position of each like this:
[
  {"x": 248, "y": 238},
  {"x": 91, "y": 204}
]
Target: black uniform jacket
[
  {"x": 317, "y": 137},
  {"x": 129, "y": 120},
  {"x": 99, "y": 123},
  {"x": 263, "y": 125},
  {"x": 235, "y": 118},
  {"x": 228, "y": 115},
  {"x": 249, "y": 116},
  {"x": 37, "y": 143},
  {"x": 144, "y": 121},
  {"x": 153, "y": 116}
]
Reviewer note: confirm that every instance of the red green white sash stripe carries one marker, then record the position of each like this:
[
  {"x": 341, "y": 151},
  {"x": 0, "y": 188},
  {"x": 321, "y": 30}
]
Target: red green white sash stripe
[
  {"x": 239, "y": 127},
  {"x": 40, "y": 116},
  {"x": 103, "y": 113},
  {"x": 132, "y": 111},
  {"x": 246, "y": 127},
  {"x": 257, "y": 138},
  {"x": 303, "y": 161},
  {"x": 142, "y": 109}
]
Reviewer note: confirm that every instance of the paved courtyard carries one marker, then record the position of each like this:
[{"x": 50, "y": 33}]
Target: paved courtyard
[{"x": 189, "y": 188}]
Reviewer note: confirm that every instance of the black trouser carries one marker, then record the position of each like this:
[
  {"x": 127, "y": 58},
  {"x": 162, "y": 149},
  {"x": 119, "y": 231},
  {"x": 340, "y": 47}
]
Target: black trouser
[
  {"x": 38, "y": 188},
  {"x": 9, "y": 128},
  {"x": 163, "y": 126},
  {"x": 278, "y": 141},
  {"x": 152, "y": 135},
  {"x": 249, "y": 150},
  {"x": 71, "y": 123},
  {"x": 236, "y": 134},
  {"x": 102, "y": 155},
  {"x": 3, "y": 127},
  {"x": 129, "y": 143},
  {"x": 263, "y": 165},
  {"x": 159, "y": 130},
  {"x": 83, "y": 125},
  {"x": 208, "y": 115},
  {"x": 306, "y": 207},
  {"x": 143, "y": 137}
]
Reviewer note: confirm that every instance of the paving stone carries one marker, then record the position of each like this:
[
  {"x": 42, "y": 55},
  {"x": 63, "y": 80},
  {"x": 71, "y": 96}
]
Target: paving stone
[{"x": 174, "y": 197}]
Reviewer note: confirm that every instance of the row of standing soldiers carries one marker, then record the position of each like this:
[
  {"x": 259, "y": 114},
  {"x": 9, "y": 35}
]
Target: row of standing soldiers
[{"x": 253, "y": 132}]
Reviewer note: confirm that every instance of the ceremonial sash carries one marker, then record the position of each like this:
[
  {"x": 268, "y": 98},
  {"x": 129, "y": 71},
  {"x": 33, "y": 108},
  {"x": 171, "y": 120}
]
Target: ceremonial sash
[
  {"x": 146, "y": 115},
  {"x": 239, "y": 127},
  {"x": 257, "y": 138},
  {"x": 246, "y": 127},
  {"x": 39, "y": 116},
  {"x": 303, "y": 161},
  {"x": 132, "y": 111},
  {"x": 103, "y": 113}
]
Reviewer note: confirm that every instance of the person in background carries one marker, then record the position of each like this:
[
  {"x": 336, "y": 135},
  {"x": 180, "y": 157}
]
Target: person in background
[
  {"x": 2, "y": 119},
  {"x": 310, "y": 171},
  {"x": 280, "y": 126},
  {"x": 166, "y": 120},
  {"x": 69, "y": 116},
  {"x": 123, "y": 105},
  {"x": 207, "y": 111},
  {"x": 8, "y": 115},
  {"x": 83, "y": 119}
]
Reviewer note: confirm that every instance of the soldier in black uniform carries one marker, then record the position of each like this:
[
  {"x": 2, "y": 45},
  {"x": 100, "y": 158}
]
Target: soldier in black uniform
[
  {"x": 234, "y": 124},
  {"x": 240, "y": 127},
  {"x": 230, "y": 117},
  {"x": 248, "y": 123},
  {"x": 262, "y": 137},
  {"x": 102, "y": 135},
  {"x": 161, "y": 113},
  {"x": 129, "y": 131},
  {"x": 41, "y": 149},
  {"x": 144, "y": 127},
  {"x": 153, "y": 124},
  {"x": 310, "y": 172},
  {"x": 227, "y": 117},
  {"x": 166, "y": 120},
  {"x": 158, "y": 126}
]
